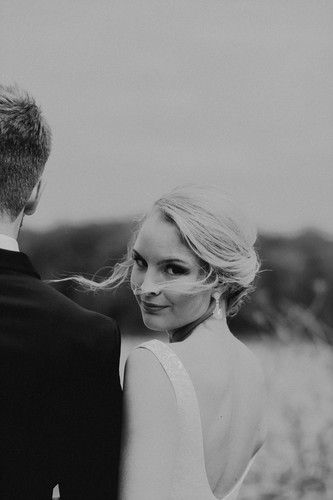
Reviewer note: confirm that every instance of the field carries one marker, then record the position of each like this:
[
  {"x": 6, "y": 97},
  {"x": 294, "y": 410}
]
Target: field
[{"x": 297, "y": 459}]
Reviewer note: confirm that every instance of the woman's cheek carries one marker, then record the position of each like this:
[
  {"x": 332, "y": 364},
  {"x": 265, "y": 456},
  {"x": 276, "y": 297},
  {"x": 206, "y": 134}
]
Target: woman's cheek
[{"x": 173, "y": 298}]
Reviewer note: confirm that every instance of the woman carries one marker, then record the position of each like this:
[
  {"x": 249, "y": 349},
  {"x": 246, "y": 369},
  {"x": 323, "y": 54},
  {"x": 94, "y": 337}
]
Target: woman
[{"x": 194, "y": 409}]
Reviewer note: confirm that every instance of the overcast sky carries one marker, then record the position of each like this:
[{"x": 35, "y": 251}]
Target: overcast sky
[{"x": 143, "y": 95}]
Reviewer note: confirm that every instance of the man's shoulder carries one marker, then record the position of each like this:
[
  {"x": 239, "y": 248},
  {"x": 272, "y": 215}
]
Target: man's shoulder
[
  {"x": 40, "y": 307},
  {"x": 87, "y": 325}
]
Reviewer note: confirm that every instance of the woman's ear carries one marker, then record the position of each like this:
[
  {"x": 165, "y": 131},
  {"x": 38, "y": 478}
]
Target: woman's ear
[{"x": 32, "y": 203}]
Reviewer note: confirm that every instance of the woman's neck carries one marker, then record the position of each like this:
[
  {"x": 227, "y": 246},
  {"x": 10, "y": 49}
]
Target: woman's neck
[{"x": 180, "y": 334}]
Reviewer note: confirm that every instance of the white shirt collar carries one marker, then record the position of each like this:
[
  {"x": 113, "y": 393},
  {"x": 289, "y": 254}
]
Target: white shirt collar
[{"x": 8, "y": 243}]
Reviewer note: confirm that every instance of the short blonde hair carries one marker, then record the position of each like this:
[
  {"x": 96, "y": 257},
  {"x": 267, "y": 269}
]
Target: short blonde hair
[{"x": 215, "y": 230}]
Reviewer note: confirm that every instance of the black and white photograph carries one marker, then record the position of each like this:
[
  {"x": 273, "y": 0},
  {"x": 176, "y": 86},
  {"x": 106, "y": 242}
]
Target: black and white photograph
[{"x": 166, "y": 250}]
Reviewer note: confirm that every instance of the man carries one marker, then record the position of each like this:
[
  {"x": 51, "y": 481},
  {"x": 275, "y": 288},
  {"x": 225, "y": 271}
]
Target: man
[{"x": 60, "y": 397}]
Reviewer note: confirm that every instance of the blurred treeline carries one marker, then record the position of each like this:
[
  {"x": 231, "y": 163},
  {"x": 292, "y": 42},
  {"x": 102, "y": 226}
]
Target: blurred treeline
[{"x": 294, "y": 290}]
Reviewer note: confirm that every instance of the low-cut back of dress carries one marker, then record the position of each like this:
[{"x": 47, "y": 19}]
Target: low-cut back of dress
[{"x": 190, "y": 480}]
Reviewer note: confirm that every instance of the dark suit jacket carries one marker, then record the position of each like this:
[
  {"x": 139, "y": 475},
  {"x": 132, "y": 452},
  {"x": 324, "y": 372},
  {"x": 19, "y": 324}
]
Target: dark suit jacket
[{"x": 60, "y": 396}]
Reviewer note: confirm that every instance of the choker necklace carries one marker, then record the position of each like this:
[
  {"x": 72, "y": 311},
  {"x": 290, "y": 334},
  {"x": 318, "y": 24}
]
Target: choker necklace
[{"x": 184, "y": 331}]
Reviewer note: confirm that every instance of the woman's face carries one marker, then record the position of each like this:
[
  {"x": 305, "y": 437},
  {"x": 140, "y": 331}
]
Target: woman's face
[{"x": 160, "y": 256}]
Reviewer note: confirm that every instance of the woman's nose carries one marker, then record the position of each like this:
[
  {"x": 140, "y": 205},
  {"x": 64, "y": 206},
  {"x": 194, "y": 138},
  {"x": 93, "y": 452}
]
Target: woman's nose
[{"x": 150, "y": 283}]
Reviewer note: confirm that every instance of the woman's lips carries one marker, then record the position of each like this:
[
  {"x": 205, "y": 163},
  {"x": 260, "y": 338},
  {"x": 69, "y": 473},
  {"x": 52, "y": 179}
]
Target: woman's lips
[{"x": 150, "y": 307}]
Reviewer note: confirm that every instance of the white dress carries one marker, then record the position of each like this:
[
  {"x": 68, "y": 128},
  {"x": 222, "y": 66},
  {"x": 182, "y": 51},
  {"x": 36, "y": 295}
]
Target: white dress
[{"x": 190, "y": 479}]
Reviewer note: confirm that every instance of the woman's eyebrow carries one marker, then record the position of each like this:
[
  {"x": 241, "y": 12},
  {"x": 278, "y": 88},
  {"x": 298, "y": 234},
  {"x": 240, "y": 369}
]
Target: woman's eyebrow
[
  {"x": 170, "y": 260},
  {"x": 173, "y": 261}
]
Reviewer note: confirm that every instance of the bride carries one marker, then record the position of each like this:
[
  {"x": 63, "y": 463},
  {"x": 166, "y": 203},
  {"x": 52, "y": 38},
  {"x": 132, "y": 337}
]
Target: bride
[{"x": 193, "y": 408}]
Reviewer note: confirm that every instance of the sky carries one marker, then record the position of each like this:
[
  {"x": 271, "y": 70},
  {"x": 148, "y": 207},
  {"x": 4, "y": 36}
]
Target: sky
[{"x": 143, "y": 96}]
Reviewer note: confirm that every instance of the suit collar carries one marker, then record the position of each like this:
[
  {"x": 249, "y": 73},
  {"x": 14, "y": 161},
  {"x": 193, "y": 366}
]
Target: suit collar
[{"x": 16, "y": 261}]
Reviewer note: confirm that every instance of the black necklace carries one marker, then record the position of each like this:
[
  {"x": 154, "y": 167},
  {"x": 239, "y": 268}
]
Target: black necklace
[{"x": 183, "y": 332}]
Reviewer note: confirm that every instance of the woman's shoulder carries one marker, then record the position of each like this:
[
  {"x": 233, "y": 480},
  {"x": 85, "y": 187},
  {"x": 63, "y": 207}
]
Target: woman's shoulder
[
  {"x": 145, "y": 354},
  {"x": 149, "y": 426},
  {"x": 144, "y": 371},
  {"x": 141, "y": 357},
  {"x": 148, "y": 393}
]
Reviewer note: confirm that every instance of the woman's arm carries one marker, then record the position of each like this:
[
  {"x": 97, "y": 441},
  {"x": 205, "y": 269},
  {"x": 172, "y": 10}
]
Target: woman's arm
[{"x": 150, "y": 430}]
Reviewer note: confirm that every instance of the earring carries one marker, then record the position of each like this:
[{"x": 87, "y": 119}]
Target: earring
[{"x": 217, "y": 314}]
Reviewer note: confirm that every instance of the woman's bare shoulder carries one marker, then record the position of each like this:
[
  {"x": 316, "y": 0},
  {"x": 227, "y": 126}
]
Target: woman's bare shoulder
[
  {"x": 149, "y": 426},
  {"x": 144, "y": 373}
]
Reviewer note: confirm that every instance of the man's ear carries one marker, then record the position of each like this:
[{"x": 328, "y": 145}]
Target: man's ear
[{"x": 32, "y": 203}]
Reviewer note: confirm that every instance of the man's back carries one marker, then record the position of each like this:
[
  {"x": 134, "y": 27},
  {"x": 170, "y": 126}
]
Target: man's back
[{"x": 60, "y": 396}]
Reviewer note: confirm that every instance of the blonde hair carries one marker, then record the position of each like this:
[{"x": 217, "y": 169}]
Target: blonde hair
[{"x": 215, "y": 230}]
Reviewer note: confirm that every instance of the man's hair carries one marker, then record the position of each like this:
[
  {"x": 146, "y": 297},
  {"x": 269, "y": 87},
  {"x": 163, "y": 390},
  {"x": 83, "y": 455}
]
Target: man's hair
[{"x": 25, "y": 144}]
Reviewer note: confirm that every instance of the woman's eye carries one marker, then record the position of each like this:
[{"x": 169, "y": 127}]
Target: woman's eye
[
  {"x": 139, "y": 262},
  {"x": 173, "y": 270}
]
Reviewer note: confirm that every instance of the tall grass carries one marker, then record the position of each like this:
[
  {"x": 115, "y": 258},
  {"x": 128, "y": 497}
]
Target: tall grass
[{"x": 297, "y": 459}]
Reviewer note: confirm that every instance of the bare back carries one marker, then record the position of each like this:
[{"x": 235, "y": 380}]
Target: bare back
[{"x": 229, "y": 386}]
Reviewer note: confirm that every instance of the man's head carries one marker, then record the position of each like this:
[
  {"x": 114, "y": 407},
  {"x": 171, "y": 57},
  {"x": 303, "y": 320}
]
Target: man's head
[{"x": 25, "y": 143}]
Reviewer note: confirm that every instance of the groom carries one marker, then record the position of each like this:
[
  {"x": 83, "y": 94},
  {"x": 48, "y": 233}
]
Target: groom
[{"x": 60, "y": 397}]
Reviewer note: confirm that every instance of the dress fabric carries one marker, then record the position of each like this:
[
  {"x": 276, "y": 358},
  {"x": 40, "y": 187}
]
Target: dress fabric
[{"x": 190, "y": 480}]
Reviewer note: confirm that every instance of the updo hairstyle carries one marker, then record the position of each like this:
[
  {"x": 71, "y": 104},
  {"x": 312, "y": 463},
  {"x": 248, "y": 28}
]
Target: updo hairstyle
[{"x": 219, "y": 234}]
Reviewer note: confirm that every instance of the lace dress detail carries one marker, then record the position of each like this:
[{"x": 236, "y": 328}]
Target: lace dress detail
[{"x": 190, "y": 480}]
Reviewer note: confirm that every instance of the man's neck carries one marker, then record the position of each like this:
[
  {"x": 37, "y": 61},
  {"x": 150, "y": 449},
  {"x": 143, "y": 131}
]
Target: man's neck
[
  {"x": 10, "y": 228},
  {"x": 6, "y": 232}
]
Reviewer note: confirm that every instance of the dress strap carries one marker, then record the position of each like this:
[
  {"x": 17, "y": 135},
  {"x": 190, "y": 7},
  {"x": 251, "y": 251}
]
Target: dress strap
[
  {"x": 191, "y": 442},
  {"x": 179, "y": 378}
]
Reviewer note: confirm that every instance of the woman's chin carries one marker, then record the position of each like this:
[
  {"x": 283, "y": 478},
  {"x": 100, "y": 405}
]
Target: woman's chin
[{"x": 154, "y": 323}]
